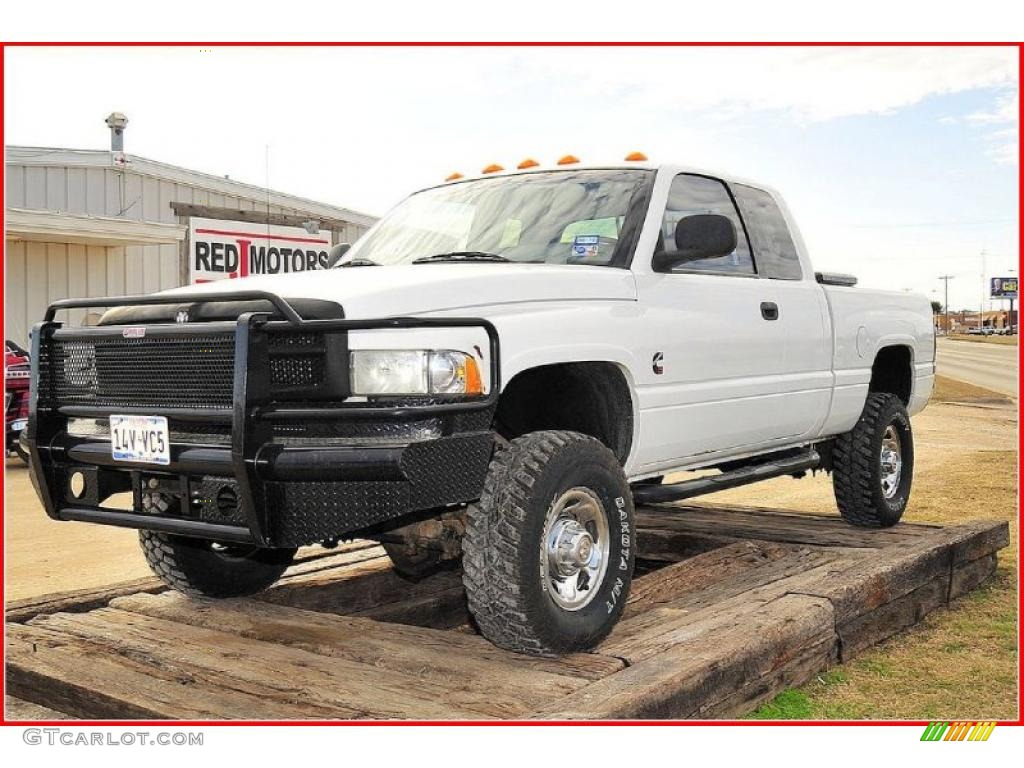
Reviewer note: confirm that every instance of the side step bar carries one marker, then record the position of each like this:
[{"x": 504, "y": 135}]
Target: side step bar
[{"x": 654, "y": 494}]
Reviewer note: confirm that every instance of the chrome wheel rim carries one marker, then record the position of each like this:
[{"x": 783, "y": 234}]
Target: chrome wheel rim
[
  {"x": 891, "y": 460},
  {"x": 574, "y": 549}
]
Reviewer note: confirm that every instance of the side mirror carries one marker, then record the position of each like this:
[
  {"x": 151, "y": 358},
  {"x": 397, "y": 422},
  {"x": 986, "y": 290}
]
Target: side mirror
[
  {"x": 336, "y": 252},
  {"x": 701, "y": 236}
]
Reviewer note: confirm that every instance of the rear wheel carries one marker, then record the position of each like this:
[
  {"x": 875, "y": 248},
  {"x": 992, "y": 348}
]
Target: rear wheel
[
  {"x": 548, "y": 552},
  {"x": 203, "y": 568},
  {"x": 873, "y": 464}
]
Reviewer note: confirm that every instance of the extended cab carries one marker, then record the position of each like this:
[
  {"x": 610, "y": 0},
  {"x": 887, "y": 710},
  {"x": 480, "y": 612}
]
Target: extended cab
[{"x": 496, "y": 371}]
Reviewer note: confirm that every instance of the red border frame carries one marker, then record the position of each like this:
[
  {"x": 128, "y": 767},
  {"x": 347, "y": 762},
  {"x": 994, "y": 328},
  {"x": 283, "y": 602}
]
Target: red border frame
[{"x": 524, "y": 44}]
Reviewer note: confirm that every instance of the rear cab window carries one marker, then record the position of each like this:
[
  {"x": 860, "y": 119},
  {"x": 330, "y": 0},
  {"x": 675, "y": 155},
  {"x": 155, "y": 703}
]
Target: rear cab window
[{"x": 769, "y": 234}]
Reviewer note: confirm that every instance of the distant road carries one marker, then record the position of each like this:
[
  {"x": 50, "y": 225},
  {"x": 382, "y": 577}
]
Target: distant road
[{"x": 993, "y": 366}]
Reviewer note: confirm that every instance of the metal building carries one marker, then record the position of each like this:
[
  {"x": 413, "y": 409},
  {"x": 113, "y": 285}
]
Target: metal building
[{"x": 97, "y": 223}]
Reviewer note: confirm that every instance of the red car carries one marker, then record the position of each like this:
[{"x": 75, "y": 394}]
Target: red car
[{"x": 17, "y": 371}]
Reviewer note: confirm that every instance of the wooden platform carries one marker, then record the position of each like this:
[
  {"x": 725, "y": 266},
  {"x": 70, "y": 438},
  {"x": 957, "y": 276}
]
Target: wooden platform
[{"x": 730, "y": 606}]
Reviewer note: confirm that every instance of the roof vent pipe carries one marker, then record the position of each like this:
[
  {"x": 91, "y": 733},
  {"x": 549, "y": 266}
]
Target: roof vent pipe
[{"x": 117, "y": 122}]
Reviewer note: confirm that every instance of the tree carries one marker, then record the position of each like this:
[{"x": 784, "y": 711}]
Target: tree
[{"x": 936, "y": 307}]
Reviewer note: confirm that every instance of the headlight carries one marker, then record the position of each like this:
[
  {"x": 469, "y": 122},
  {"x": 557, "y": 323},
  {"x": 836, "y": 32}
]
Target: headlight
[{"x": 414, "y": 372}]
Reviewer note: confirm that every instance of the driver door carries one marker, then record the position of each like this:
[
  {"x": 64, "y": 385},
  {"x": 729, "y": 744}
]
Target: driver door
[{"x": 721, "y": 347}]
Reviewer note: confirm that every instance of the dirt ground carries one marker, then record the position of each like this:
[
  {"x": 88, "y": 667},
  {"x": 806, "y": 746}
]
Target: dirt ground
[
  {"x": 958, "y": 663},
  {"x": 1009, "y": 340},
  {"x": 43, "y": 556}
]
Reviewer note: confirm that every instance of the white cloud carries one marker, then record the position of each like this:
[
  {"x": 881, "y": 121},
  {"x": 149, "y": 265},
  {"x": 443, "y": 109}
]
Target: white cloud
[
  {"x": 811, "y": 83},
  {"x": 1004, "y": 116},
  {"x": 1006, "y": 110}
]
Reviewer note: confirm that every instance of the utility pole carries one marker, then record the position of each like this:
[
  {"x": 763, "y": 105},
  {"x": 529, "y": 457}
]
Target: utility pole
[
  {"x": 984, "y": 288},
  {"x": 1009, "y": 317},
  {"x": 945, "y": 304}
]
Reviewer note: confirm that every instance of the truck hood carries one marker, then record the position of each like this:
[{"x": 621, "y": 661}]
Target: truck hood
[{"x": 418, "y": 289}]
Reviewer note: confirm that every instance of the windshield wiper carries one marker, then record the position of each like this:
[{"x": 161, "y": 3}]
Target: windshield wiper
[
  {"x": 460, "y": 256},
  {"x": 358, "y": 263}
]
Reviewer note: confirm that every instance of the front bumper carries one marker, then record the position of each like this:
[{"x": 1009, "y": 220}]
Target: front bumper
[{"x": 253, "y": 481}]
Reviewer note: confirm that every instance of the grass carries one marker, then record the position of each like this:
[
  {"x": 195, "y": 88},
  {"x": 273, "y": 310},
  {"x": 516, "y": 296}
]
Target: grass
[
  {"x": 960, "y": 662},
  {"x": 1008, "y": 340},
  {"x": 964, "y": 656},
  {"x": 949, "y": 390}
]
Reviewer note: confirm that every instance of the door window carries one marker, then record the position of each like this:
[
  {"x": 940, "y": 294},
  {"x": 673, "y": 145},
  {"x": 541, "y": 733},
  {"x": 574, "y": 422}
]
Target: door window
[{"x": 690, "y": 195}]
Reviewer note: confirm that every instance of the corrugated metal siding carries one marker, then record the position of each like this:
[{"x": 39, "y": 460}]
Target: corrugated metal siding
[
  {"x": 39, "y": 273},
  {"x": 119, "y": 192}
]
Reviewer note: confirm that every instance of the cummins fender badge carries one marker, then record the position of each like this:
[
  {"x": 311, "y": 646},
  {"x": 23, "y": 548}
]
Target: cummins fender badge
[{"x": 134, "y": 332}]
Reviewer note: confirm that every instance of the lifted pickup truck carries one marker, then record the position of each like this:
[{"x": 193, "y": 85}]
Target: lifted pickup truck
[{"x": 497, "y": 371}]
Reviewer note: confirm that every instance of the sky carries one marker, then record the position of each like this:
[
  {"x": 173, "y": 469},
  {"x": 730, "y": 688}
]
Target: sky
[{"x": 900, "y": 164}]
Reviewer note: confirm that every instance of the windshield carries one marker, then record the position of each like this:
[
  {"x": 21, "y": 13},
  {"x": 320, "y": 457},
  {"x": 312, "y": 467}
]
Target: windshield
[{"x": 561, "y": 217}]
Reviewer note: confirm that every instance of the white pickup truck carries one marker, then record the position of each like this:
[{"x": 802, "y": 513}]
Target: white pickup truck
[{"x": 496, "y": 371}]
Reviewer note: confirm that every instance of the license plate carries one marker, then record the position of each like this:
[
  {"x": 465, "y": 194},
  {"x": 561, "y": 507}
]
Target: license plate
[{"x": 142, "y": 439}]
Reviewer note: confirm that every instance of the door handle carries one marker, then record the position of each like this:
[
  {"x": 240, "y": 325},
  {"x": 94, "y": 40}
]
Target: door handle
[{"x": 769, "y": 310}]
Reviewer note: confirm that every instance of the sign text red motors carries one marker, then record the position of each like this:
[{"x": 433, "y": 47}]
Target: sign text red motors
[{"x": 220, "y": 249}]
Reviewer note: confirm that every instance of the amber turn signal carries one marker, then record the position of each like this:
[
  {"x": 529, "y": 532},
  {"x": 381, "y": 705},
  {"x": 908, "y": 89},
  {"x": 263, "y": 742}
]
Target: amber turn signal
[
  {"x": 568, "y": 160},
  {"x": 474, "y": 382},
  {"x": 454, "y": 176},
  {"x": 492, "y": 168},
  {"x": 636, "y": 157},
  {"x": 528, "y": 163}
]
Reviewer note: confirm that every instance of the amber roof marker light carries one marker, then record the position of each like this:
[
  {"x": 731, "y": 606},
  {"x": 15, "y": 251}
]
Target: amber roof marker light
[
  {"x": 492, "y": 168},
  {"x": 453, "y": 176},
  {"x": 636, "y": 157},
  {"x": 528, "y": 163},
  {"x": 568, "y": 160}
]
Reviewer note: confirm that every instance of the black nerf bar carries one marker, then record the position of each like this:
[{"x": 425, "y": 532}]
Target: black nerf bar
[{"x": 687, "y": 489}]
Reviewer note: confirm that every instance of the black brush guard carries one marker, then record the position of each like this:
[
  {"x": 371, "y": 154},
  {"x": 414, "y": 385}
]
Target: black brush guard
[{"x": 287, "y": 495}]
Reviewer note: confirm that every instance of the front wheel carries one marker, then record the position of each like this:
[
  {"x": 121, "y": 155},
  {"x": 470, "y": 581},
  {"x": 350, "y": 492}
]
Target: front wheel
[
  {"x": 549, "y": 548},
  {"x": 873, "y": 464},
  {"x": 202, "y": 568}
]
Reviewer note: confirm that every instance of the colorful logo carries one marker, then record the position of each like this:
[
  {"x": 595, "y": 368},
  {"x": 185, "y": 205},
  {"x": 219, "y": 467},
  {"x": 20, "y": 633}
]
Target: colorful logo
[{"x": 959, "y": 731}]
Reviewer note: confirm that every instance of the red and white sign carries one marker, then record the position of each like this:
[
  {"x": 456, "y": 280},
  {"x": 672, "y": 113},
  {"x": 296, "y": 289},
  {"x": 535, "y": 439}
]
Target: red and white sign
[{"x": 221, "y": 249}]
